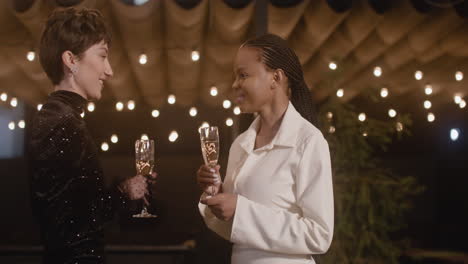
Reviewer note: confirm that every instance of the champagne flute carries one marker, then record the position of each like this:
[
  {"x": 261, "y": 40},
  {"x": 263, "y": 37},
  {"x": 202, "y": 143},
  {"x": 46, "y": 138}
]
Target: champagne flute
[
  {"x": 209, "y": 139},
  {"x": 144, "y": 159}
]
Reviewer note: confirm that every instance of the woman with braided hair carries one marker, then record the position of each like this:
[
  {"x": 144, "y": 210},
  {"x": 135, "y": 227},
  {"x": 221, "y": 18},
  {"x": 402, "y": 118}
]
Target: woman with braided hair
[{"x": 276, "y": 202}]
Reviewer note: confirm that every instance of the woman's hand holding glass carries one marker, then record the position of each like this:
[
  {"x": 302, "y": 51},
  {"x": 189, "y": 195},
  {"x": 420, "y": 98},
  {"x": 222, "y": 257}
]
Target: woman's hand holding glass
[{"x": 209, "y": 179}]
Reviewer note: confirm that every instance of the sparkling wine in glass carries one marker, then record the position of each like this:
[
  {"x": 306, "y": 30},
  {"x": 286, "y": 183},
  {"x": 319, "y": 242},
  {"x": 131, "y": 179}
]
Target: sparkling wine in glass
[
  {"x": 144, "y": 159},
  {"x": 209, "y": 139}
]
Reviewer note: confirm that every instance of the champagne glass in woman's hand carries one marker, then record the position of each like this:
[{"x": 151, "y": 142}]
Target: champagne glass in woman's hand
[
  {"x": 209, "y": 139},
  {"x": 144, "y": 158}
]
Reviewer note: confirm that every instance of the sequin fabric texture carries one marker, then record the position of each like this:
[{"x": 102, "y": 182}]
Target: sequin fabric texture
[{"x": 69, "y": 200}]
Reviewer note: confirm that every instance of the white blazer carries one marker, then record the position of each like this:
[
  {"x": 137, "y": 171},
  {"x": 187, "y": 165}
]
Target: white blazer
[{"x": 284, "y": 208}]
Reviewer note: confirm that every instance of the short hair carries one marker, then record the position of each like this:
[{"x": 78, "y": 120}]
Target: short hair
[
  {"x": 70, "y": 29},
  {"x": 276, "y": 54}
]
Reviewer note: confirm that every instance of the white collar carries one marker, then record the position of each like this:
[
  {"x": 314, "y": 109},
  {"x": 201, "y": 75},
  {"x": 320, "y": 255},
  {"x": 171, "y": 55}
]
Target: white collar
[{"x": 285, "y": 136}]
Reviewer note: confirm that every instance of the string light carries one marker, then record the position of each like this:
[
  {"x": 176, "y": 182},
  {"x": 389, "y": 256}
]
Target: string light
[
  {"x": 364, "y": 134},
  {"x": 236, "y": 110},
  {"x": 392, "y": 113},
  {"x": 229, "y": 122},
  {"x": 331, "y": 130},
  {"x": 226, "y": 104},
  {"x": 454, "y": 134},
  {"x": 14, "y": 102},
  {"x": 119, "y": 106},
  {"x": 155, "y": 113},
  {"x": 430, "y": 117},
  {"x": 91, "y": 107},
  {"x": 131, "y": 105},
  {"x": 329, "y": 115},
  {"x": 428, "y": 89},
  {"x": 377, "y": 71},
  {"x": 114, "y": 138},
  {"x": 104, "y": 146},
  {"x": 457, "y": 99},
  {"x": 39, "y": 107},
  {"x": 332, "y": 65},
  {"x": 173, "y": 136},
  {"x": 427, "y": 104},
  {"x": 4, "y": 97},
  {"x": 362, "y": 117},
  {"x": 462, "y": 104},
  {"x": 171, "y": 99},
  {"x": 82, "y": 114},
  {"x": 193, "y": 111},
  {"x": 384, "y": 92},
  {"x": 195, "y": 55},
  {"x": 214, "y": 91},
  {"x": 31, "y": 55},
  {"x": 144, "y": 137},
  {"x": 143, "y": 59},
  {"x": 459, "y": 76},
  {"x": 418, "y": 75},
  {"x": 21, "y": 124},
  {"x": 11, "y": 125},
  {"x": 340, "y": 93}
]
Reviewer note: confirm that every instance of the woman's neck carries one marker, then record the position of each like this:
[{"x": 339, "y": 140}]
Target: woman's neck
[
  {"x": 67, "y": 84},
  {"x": 271, "y": 117}
]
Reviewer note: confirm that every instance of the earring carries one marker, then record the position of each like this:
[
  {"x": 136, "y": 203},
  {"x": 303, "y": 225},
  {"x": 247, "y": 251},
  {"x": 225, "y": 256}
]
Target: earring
[{"x": 73, "y": 70}]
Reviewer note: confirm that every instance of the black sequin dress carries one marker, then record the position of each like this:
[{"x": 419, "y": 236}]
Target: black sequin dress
[{"x": 69, "y": 200}]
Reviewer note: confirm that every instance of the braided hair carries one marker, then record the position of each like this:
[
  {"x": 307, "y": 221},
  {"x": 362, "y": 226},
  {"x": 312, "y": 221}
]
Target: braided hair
[{"x": 276, "y": 54}]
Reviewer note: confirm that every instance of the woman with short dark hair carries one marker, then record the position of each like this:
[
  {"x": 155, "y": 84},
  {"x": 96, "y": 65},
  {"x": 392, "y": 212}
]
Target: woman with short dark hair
[{"x": 69, "y": 200}]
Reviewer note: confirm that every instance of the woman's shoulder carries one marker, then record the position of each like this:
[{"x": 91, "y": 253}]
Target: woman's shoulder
[{"x": 308, "y": 136}]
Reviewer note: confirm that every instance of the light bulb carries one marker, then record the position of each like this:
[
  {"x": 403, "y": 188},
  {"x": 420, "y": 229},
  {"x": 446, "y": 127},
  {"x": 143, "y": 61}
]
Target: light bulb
[
  {"x": 418, "y": 75},
  {"x": 332, "y": 65},
  {"x": 143, "y": 59},
  {"x": 173, "y": 136},
  {"x": 195, "y": 55},
  {"x": 171, "y": 99},
  {"x": 193, "y": 111},
  {"x": 114, "y": 138},
  {"x": 454, "y": 134},
  {"x": 384, "y": 92},
  {"x": 459, "y": 76},
  {"x": 119, "y": 106},
  {"x": 428, "y": 89},
  {"x": 229, "y": 122},
  {"x": 155, "y": 113},
  {"x": 377, "y": 71},
  {"x": 214, "y": 91},
  {"x": 340, "y": 93},
  {"x": 131, "y": 105},
  {"x": 362, "y": 117},
  {"x": 14, "y": 102},
  {"x": 31, "y": 55},
  {"x": 427, "y": 104},
  {"x": 392, "y": 113},
  {"x": 21, "y": 124},
  {"x": 91, "y": 106},
  {"x": 11, "y": 125},
  {"x": 104, "y": 146},
  {"x": 430, "y": 117},
  {"x": 236, "y": 110},
  {"x": 226, "y": 104}
]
